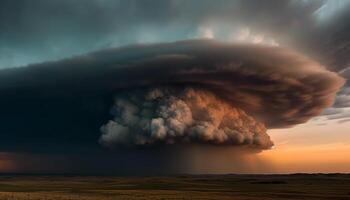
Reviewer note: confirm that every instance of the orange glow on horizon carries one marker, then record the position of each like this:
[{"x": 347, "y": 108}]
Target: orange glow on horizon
[
  {"x": 7, "y": 164},
  {"x": 327, "y": 158}
]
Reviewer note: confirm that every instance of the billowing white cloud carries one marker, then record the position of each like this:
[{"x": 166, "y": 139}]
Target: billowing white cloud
[{"x": 168, "y": 115}]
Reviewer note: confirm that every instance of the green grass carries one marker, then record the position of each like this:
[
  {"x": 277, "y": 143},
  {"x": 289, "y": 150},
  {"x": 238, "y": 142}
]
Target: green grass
[{"x": 248, "y": 187}]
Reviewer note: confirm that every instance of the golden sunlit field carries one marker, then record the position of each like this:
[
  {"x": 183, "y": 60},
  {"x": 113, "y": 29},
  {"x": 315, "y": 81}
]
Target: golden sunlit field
[{"x": 249, "y": 187}]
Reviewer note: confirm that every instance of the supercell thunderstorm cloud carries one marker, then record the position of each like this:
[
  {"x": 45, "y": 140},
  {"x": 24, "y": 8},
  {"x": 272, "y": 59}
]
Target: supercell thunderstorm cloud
[
  {"x": 152, "y": 87},
  {"x": 210, "y": 92},
  {"x": 186, "y": 92}
]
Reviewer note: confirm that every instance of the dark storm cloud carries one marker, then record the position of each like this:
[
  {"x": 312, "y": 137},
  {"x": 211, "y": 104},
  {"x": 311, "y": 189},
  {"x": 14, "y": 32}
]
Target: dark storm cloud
[
  {"x": 60, "y": 106},
  {"x": 346, "y": 74},
  {"x": 48, "y": 30},
  {"x": 41, "y": 19},
  {"x": 343, "y": 98},
  {"x": 339, "y": 109},
  {"x": 331, "y": 40},
  {"x": 65, "y": 102}
]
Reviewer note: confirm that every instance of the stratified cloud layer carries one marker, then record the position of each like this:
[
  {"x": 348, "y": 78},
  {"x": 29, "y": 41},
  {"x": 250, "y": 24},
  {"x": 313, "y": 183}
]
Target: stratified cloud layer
[
  {"x": 318, "y": 28},
  {"x": 278, "y": 86},
  {"x": 274, "y": 85}
]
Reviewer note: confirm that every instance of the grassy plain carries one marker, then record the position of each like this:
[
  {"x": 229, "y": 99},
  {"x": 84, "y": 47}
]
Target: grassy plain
[{"x": 218, "y": 187}]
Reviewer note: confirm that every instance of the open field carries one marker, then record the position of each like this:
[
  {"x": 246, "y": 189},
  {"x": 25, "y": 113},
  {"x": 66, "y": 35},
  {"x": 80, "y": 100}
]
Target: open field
[{"x": 249, "y": 187}]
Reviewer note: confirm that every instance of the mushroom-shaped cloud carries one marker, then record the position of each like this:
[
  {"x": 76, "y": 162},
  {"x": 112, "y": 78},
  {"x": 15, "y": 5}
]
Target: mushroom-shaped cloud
[
  {"x": 231, "y": 92},
  {"x": 201, "y": 91}
]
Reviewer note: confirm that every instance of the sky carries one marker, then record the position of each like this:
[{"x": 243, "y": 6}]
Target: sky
[{"x": 160, "y": 87}]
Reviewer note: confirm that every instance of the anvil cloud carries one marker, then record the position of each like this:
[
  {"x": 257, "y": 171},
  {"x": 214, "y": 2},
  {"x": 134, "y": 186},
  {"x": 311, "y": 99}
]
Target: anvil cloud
[{"x": 270, "y": 86}]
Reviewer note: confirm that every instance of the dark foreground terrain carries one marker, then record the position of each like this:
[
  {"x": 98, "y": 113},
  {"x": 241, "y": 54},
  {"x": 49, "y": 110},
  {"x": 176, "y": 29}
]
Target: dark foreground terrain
[{"x": 260, "y": 187}]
